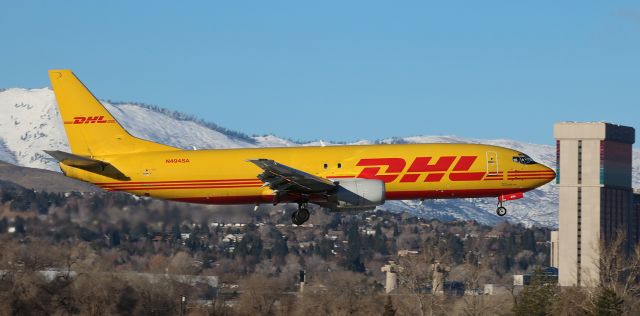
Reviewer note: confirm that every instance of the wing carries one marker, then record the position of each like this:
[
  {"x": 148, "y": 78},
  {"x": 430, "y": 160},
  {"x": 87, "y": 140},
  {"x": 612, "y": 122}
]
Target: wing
[{"x": 284, "y": 179}]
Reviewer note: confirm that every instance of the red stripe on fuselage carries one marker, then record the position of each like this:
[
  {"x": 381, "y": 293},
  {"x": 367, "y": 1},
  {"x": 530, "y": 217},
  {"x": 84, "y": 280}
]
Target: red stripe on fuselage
[
  {"x": 532, "y": 178},
  {"x": 466, "y": 176},
  {"x": 122, "y": 186},
  {"x": 177, "y": 181},
  {"x": 146, "y": 188},
  {"x": 530, "y": 172}
]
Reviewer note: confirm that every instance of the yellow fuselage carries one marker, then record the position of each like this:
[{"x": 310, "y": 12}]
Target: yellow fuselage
[{"x": 410, "y": 171}]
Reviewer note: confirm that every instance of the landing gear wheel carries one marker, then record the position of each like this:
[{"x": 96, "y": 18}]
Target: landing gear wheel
[
  {"x": 501, "y": 211},
  {"x": 300, "y": 216},
  {"x": 294, "y": 218}
]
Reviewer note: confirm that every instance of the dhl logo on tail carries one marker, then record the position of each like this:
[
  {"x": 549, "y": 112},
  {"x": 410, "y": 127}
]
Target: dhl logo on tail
[{"x": 89, "y": 120}]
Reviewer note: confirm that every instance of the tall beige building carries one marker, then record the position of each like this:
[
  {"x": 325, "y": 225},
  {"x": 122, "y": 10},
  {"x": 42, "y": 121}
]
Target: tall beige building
[{"x": 596, "y": 197}]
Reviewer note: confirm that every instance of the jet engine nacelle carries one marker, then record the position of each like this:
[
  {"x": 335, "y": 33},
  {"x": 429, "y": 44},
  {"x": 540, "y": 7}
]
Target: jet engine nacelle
[{"x": 358, "y": 195}]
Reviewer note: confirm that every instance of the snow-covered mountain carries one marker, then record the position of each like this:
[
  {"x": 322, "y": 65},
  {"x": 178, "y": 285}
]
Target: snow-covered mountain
[{"x": 30, "y": 123}]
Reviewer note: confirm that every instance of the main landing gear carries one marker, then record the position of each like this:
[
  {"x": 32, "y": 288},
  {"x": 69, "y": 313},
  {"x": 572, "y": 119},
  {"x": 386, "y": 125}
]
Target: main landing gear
[
  {"x": 501, "y": 210},
  {"x": 300, "y": 216}
]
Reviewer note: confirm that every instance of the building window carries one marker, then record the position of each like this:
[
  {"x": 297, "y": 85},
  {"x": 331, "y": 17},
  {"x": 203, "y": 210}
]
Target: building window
[
  {"x": 580, "y": 162},
  {"x": 579, "y": 232},
  {"x": 602, "y": 161},
  {"x": 557, "y": 161}
]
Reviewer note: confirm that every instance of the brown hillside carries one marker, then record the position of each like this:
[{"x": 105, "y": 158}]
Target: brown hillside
[{"x": 42, "y": 180}]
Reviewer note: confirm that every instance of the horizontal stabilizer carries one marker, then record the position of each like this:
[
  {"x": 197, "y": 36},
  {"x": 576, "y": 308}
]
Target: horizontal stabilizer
[
  {"x": 92, "y": 165},
  {"x": 75, "y": 160}
]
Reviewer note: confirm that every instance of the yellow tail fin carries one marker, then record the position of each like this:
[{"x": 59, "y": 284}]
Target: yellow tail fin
[{"x": 91, "y": 129}]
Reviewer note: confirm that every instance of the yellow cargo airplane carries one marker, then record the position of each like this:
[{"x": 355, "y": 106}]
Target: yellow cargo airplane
[{"x": 341, "y": 178}]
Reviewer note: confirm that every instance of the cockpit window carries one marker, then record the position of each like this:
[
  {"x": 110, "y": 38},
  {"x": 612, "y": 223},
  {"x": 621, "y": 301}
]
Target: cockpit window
[{"x": 523, "y": 159}]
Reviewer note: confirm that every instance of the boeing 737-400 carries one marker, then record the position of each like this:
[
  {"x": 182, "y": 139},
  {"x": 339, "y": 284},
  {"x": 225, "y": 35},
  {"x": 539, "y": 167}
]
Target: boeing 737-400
[{"x": 341, "y": 178}]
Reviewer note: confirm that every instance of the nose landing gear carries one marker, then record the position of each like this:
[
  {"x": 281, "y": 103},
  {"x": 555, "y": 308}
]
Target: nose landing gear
[
  {"x": 300, "y": 216},
  {"x": 501, "y": 210}
]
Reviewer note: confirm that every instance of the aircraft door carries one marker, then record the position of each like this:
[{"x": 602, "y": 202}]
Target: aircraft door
[{"x": 492, "y": 163}]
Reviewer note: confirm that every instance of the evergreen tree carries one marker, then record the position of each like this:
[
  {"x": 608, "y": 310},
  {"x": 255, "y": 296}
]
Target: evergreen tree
[
  {"x": 114, "y": 236},
  {"x": 380, "y": 242},
  {"x": 176, "y": 234},
  {"x": 607, "y": 302},
  {"x": 324, "y": 248},
  {"x": 3, "y": 225},
  {"x": 536, "y": 298},
  {"x": 139, "y": 231},
  {"x": 529, "y": 241},
  {"x": 96, "y": 203},
  {"x": 21, "y": 203},
  {"x": 353, "y": 260},
  {"x": 6, "y": 195},
  {"x": 250, "y": 247},
  {"x": 20, "y": 225},
  {"x": 456, "y": 248},
  {"x": 280, "y": 249},
  {"x": 388, "y": 308}
]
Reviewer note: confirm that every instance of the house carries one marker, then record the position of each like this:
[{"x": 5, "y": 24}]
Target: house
[{"x": 232, "y": 238}]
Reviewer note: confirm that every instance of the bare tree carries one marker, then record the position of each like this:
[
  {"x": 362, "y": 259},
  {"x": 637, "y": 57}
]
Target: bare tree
[
  {"x": 96, "y": 300},
  {"x": 345, "y": 293},
  {"x": 476, "y": 302},
  {"x": 417, "y": 274},
  {"x": 619, "y": 268},
  {"x": 260, "y": 295},
  {"x": 156, "y": 297},
  {"x": 182, "y": 263},
  {"x": 572, "y": 301},
  {"x": 219, "y": 308}
]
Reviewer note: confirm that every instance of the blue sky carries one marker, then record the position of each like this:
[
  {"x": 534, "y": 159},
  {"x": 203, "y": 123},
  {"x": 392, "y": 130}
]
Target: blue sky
[{"x": 343, "y": 70}]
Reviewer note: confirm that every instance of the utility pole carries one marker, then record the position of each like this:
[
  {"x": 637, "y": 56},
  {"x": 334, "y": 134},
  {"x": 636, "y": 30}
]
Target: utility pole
[{"x": 302, "y": 279}]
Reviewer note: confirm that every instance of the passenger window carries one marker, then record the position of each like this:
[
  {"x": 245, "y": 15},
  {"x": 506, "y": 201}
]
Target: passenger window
[
  {"x": 339, "y": 165},
  {"x": 326, "y": 166}
]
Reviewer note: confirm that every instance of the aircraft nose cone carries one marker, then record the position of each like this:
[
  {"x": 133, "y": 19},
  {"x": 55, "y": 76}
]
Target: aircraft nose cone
[{"x": 548, "y": 175}]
